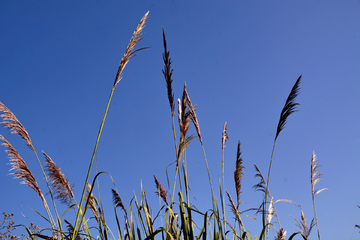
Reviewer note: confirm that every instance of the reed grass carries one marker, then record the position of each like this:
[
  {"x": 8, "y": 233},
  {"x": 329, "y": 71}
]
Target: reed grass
[
  {"x": 315, "y": 178},
  {"x": 62, "y": 189},
  {"x": 177, "y": 214},
  {"x": 305, "y": 229}
]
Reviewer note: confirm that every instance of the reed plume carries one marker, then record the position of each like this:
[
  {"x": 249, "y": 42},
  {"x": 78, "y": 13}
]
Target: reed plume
[
  {"x": 280, "y": 234},
  {"x": 167, "y": 71},
  {"x": 11, "y": 122},
  {"x": 161, "y": 190},
  {"x": 117, "y": 200},
  {"x": 224, "y": 136},
  {"x": 270, "y": 215},
  {"x": 184, "y": 117},
  {"x": 315, "y": 178},
  {"x": 92, "y": 204},
  {"x": 193, "y": 116},
  {"x": 62, "y": 189},
  {"x": 305, "y": 230},
  {"x": 130, "y": 52},
  {"x": 238, "y": 174},
  {"x": 261, "y": 186},
  {"x": 289, "y": 107},
  {"x": 235, "y": 211},
  {"x": 20, "y": 168}
]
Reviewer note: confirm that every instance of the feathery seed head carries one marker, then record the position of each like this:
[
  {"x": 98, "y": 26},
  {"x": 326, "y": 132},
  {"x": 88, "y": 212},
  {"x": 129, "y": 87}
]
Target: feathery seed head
[
  {"x": 161, "y": 190},
  {"x": 11, "y": 122},
  {"x": 261, "y": 186},
  {"x": 280, "y": 235},
  {"x": 167, "y": 71},
  {"x": 61, "y": 187},
  {"x": 238, "y": 174},
  {"x": 305, "y": 230},
  {"x": 224, "y": 136},
  {"x": 193, "y": 117},
  {"x": 315, "y": 176},
  {"x": 20, "y": 168},
  {"x": 289, "y": 107},
  {"x": 117, "y": 200},
  {"x": 130, "y": 52}
]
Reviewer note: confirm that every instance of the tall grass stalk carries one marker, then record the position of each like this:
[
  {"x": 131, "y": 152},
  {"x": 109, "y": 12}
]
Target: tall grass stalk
[
  {"x": 222, "y": 191},
  {"x": 129, "y": 53},
  {"x": 287, "y": 110},
  {"x": 315, "y": 178}
]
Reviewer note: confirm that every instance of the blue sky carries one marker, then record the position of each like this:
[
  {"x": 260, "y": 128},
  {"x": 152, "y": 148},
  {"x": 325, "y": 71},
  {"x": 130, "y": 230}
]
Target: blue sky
[{"x": 239, "y": 59}]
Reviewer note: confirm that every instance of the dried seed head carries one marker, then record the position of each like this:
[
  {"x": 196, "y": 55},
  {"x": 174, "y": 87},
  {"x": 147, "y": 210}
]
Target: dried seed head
[
  {"x": 130, "y": 52},
  {"x": 289, "y": 107},
  {"x": 224, "y": 136},
  {"x": 61, "y": 187},
  {"x": 20, "y": 168},
  {"x": 11, "y": 122},
  {"x": 161, "y": 189}
]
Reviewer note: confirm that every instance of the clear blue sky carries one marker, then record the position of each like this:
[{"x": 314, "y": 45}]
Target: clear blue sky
[{"x": 58, "y": 61}]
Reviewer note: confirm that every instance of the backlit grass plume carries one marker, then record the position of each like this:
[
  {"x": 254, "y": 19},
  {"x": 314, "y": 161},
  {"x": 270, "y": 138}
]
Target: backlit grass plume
[
  {"x": 20, "y": 168},
  {"x": 193, "y": 116},
  {"x": 261, "y": 186},
  {"x": 224, "y": 136},
  {"x": 11, "y": 122},
  {"x": 92, "y": 204},
  {"x": 161, "y": 190},
  {"x": 289, "y": 107},
  {"x": 235, "y": 211},
  {"x": 315, "y": 178},
  {"x": 117, "y": 200},
  {"x": 61, "y": 188},
  {"x": 238, "y": 174},
  {"x": 167, "y": 71},
  {"x": 270, "y": 215},
  {"x": 184, "y": 117},
  {"x": 280, "y": 235},
  {"x": 130, "y": 52},
  {"x": 305, "y": 230}
]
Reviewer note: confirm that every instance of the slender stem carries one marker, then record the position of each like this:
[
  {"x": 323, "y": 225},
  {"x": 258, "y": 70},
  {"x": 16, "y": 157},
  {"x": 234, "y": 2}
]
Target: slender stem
[
  {"x": 267, "y": 184},
  {"x": 317, "y": 226},
  {"x": 207, "y": 167},
  {"x": 78, "y": 223},
  {"x": 186, "y": 179},
  {"x": 173, "y": 128},
  {"x": 172, "y": 197},
  {"x": 44, "y": 201},
  {"x": 223, "y": 189},
  {"x": 174, "y": 133}
]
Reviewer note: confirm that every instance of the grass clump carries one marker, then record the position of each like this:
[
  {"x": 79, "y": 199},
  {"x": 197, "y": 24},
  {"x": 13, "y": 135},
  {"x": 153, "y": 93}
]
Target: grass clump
[{"x": 176, "y": 213}]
